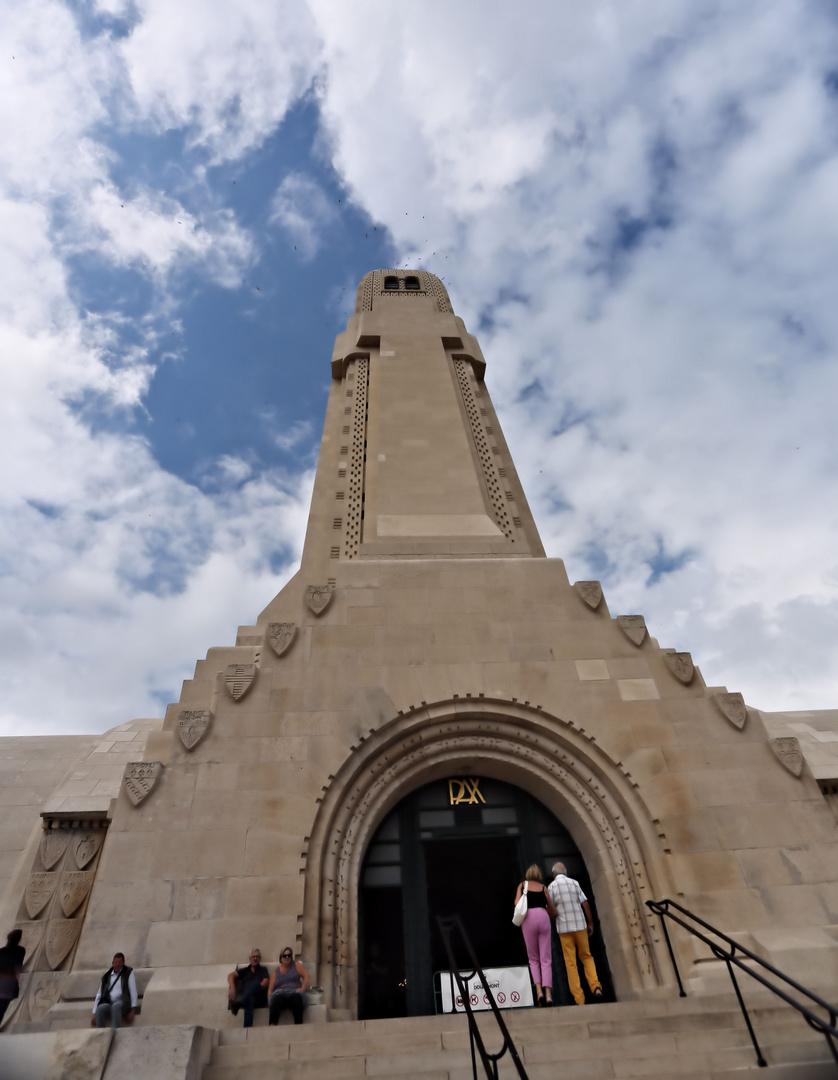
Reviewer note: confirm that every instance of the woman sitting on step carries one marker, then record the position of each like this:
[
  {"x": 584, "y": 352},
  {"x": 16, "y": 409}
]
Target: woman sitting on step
[{"x": 286, "y": 988}]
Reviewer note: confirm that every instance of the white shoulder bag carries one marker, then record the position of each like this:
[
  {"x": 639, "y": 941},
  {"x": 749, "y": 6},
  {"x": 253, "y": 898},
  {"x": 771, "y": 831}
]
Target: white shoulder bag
[{"x": 521, "y": 907}]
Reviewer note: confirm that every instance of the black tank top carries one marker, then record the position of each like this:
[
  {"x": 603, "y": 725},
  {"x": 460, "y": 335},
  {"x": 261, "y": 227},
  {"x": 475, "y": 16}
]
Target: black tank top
[{"x": 535, "y": 899}]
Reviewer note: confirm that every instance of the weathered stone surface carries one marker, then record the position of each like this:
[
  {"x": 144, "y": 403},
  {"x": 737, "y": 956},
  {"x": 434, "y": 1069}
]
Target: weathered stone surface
[
  {"x": 158, "y": 1053},
  {"x": 590, "y": 591},
  {"x": 44, "y": 992},
  {"x": 74, "y": 889},
  {"x": 86, "y": 845},
  {"x": 53, "y": 846},
  {"x": 39, "y": 892},
  {"x": 732, "y": 708},
  {"x": 633, "y": 626},
  {"x": 787, "y": 749},
  {"x": 79, "y": 1055},
  {"x": 33, "y": 932},
  {"x": 681, "y": 666},
  {"x": 62, "y": 935}
]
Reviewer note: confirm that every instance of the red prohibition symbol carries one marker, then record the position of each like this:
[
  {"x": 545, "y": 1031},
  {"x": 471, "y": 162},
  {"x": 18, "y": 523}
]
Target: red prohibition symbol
[
  {"x": 474, "y": 999},
  {"x": 501, "y": 998},
  {"x": 515, "y": 995}
]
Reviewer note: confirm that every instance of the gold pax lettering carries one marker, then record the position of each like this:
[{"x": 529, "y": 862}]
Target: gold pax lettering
[{"x": 467, "y": 791}]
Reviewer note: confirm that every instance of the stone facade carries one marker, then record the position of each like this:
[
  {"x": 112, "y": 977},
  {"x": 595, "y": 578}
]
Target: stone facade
[{"x": 425, "y": 636}]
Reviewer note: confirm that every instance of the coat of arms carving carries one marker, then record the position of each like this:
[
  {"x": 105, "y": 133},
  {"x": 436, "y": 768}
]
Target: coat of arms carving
[
  {"x": 787, "y": 749},
  {"x": 681, "y": 666},
  {"x": 192, "y": 725},
  {"x": 238, "y": 678},
  {"x": 86, "y": 845},
  {"x": 53, "y": 846},
  {"x": 139, "y": 779},
  {"x": 590, "y": 591},
  {"x": 32, "y": 934},
  {"x": 281, "y": 636},
  {"x": 733, "y": 708},
  {"x": 62, "y": 935},
  {"x": 318, "y": 598},
  {"x": 38, "y": 893},
  {"x": 633, "y": 626},
  {"x": 44, "y": 992},
  {"x": 75, "y": 885}
]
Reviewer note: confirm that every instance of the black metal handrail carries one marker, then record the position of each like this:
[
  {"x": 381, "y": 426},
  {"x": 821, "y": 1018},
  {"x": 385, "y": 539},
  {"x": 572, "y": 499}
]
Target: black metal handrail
[
  {"x": 728, "y": 952},
  {"x": 490, "y": 1061}
]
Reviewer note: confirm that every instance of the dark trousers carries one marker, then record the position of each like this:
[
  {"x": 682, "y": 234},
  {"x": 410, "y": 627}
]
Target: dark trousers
[
  {"x": 253, "y": 997},
  {"x": 278, "y": 1002}
]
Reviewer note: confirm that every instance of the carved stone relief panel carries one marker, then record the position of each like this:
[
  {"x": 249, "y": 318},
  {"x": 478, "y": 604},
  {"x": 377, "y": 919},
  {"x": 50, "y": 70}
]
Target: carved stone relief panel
[
  {"x": 733, "y": 708},
  {"x": 590, "y": 591},
  {"x": 192, "y": 725},
  {"x": 139, "y": 779},
  {"x": 44, "y": 992},
  {"x": 633, "y": 626},
  {"x": 681, "y": 666},
  {"x": 281, "y": 636},
  {"x": 38, "y": 893},
  {"x": 86, "y": 846},
  {"x": 74, "y": 889},
  {"x": 238, "y": 678},
  {"x": 787, "y": 749},
  {"x": 62, "y": 935},
  {"x": 318, "y": 598},
  {"x": 32, "y": 931},
  {"x": 53, "y": 846}
]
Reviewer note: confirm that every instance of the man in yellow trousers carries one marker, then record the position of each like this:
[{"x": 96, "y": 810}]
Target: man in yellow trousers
[{"x": 574, "y": 924}]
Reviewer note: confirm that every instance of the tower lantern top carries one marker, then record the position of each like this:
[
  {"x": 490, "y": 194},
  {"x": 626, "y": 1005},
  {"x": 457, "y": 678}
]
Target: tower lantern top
[{"x": 380, "y": 287}]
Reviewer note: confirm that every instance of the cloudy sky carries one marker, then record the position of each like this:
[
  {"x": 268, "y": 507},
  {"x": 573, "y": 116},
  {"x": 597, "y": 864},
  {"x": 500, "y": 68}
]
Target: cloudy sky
[{"x": 635, "y": 206}]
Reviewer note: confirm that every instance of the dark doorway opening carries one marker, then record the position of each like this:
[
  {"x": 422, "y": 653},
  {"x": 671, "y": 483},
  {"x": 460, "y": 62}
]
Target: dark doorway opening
[
  {"x": 475, "y": 879},
  {"x": 455, "y": 846}
]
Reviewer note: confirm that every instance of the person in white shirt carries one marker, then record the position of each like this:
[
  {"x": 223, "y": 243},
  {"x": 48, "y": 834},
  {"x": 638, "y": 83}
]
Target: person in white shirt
[
  {"x": 574, "y": 924},
  {"x": 118, "y": 984}
]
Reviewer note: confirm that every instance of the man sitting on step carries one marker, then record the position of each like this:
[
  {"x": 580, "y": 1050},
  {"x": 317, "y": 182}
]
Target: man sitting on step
[
  {"x": 117, "y": 990},
  {"x": 574, "y": 924},
  {"x": 253, "y": 981}
]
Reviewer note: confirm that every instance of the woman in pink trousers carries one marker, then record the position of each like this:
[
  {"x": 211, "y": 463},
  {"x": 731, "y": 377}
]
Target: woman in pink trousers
[{"x": 536, "y": 930}]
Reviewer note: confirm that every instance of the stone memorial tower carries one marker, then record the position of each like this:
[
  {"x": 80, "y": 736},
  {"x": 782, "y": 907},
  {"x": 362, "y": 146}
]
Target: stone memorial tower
[{"x": 425, "y": 708}]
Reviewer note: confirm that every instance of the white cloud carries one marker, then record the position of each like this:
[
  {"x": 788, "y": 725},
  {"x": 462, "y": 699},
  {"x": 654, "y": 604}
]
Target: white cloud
[
  {"x": 300, "y": 206},
  {"x": 642, "y": 200}
]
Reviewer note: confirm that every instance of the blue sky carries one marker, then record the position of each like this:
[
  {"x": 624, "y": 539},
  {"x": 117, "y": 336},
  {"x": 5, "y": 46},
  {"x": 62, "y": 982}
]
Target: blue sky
[{"x": 635, "y": 206}]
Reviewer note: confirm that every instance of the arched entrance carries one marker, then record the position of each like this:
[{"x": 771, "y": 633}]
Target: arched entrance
[
  {"x": 456, "y": 845},
  {"x": 552, "y": 759}
]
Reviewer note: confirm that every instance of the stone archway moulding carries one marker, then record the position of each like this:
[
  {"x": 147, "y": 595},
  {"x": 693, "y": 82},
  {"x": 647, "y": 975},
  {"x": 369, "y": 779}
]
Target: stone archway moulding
[{"x": 554, "y": 760}]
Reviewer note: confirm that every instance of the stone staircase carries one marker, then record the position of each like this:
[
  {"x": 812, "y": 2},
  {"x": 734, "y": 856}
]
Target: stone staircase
[{"x": 699, "y": 1038}]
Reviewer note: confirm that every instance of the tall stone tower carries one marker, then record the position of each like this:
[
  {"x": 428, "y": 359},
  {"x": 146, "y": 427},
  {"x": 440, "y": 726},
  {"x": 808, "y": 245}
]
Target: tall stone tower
[{"x": 424, "y": 709}]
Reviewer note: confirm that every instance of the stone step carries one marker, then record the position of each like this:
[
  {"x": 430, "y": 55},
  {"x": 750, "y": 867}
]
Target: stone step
[{"x": 701, "y": 1039}]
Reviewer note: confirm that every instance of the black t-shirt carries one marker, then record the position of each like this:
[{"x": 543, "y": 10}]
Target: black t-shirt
[
  {"x": 248, "y": 976},
  {"x": 11, "y": 959}
]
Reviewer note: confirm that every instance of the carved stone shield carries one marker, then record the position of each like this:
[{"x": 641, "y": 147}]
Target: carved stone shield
[
  {"x": 281, "y": 636},
  {"x": 318, "y": 598},
  {"x": 44, "y": 992},
  {"x": 75, "y": 885},
  {"x": 32, "y": 934},
  {"x": 192, "y": 725},
  {"x": 633, "y": 626},
  {"x": 590, "y": 591},
  {"x": 733, "y": 708},
  {"x": 238, "y": 678},
  {"x": 39, "y": 890},
  {"x": 53, "y": 846},
  {"x": 139, "y": 778},
  {"x": 62, "y": 935},
  {"x": 681, "y": 666},
  {"x": 787, "y": 749},
  {"x": 85, "y": 846}
]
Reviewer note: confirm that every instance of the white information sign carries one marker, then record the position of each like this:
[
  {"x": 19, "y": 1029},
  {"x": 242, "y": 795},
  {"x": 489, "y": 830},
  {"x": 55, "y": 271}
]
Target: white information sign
[{"x": 511, "y": 986}]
